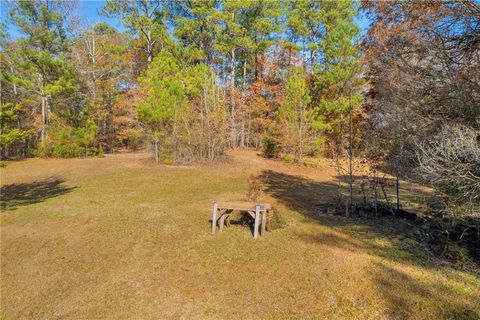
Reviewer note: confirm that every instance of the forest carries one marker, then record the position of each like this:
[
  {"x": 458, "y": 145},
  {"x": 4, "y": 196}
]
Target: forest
[{"x": 295, "y": 79}]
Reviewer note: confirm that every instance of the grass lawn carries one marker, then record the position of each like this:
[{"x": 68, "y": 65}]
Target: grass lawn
[{"x": 121, "y": 238}]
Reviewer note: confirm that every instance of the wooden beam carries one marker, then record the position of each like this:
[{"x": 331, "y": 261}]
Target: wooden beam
[{"x": 243, "y": 206}]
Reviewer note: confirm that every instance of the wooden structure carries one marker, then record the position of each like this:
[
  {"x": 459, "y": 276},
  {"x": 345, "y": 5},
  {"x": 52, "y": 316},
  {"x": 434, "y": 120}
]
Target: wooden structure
[{"x": 258, "y": 212}]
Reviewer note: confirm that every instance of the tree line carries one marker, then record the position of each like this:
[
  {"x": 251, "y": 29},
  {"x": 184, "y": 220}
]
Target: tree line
[
  {"x": 292, "y": 77},
  {"x": 191, "y": 77}
]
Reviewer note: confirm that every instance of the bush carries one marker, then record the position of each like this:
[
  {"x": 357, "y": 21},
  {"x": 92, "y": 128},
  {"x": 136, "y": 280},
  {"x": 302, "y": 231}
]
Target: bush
[
  {"x": 64, "y": 141},
  {"x": 270, "y": 148},
  {"x": 450, "y": 162},
  {"x": 454, "y": 252},
  {"x": 276, "y": 221},
  {"x": 168, "y": 161},
  {"x": 290, "y": 158}
]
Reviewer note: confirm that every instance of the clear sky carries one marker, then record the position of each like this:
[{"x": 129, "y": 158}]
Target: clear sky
[
  {"x": 89, "y": 10},
  {"x": 89, "y": 13}
]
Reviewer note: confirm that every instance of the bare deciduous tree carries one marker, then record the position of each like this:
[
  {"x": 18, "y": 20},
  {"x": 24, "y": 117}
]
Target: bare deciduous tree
[{"x": 451, "y": 163}]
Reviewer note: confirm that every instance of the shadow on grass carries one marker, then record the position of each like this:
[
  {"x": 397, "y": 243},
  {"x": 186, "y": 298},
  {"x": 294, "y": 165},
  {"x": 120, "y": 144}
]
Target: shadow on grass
[
  {"x": 296, "y": 192},
  {"x": 403, "y": 293},
  {"x": 378, "y": 237},
  {"x": 405, "y": 185},
  {"x": 301, "y": 194},
  {"x": 20, "y": 194},
  {"x": 395, "y": 240}
]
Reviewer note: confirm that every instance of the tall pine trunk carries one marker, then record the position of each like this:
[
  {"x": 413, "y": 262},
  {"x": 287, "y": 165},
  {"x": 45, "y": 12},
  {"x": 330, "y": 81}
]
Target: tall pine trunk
[
  {"x": 232, "y": 97},
  {"x": 244, "y": 85},
  {"x": 44, "y": 119},
  {"x": 149, "y": 47},
  {"x": 350, "y": 153}
]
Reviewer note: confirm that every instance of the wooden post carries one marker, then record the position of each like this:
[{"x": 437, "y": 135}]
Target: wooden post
[
  {"x": 257, "y": 222},
  {"x": 264, "y": 221},
  {"x": 214, "y": 217}
]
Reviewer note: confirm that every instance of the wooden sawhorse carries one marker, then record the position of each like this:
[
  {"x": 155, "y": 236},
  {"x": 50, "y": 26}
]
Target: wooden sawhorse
[{"x": 258, "y": 211}]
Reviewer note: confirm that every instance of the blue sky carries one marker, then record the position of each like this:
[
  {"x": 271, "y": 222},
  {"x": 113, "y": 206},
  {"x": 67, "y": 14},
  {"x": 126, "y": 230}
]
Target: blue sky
[
  {"x": 89, "y": 13},
  {"x": 90, "y": 10}
]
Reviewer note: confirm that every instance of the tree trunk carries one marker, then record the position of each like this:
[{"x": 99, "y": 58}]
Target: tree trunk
[
  {"x": 398, "y": 191},
  {"x": 248, "y": 132},
  {"x": 94, "y": 64},
  {"x": 312, "y": 60},
  {"x": 386, "y": 199},
  {"x": 289, "y": 56},
  {"x": 256, "y": 67},
  {"x": 350, "y": 154},
  {"x": 156, "y": 149},
  {"x": 375, "y": 190},
  {"x": 14, "y": 84},
  {"x": 304, "y": 56},
  {"x": 300, "y": 136},
  {"x": 149, "y": 47},
  {"x": 242, "y": 134},
  {"x": 232, "y": 96},
  {"x": 44, "y": 119},
  {"x": 244, "y": 84},
  {"x": 244, "y": 87}
]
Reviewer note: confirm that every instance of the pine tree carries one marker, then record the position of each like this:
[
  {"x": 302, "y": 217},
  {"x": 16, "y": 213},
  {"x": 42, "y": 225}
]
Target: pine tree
[
  {"x": 163, "y": 94},
  {"x": 337, "y": 75},
  {"x": 9, "y": 131},
  {"x": 305, "y": 28},
  {"x": 145, "y": 19},
  {"x": 248, "y": 30},
  {"x": 196, "y": 27},
  {"x": 47, "y": 73}
]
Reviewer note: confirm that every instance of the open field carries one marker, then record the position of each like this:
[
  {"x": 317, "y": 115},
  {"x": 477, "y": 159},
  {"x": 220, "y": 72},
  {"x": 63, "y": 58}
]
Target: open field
[{"x": 121, "y": 238}]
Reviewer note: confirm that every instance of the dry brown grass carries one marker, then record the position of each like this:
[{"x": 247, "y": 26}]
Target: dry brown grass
[{"x": 122, "y": 238}]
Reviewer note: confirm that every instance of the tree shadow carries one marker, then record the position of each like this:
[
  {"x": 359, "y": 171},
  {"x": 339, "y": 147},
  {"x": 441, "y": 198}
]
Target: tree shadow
[
  {"x": 302, "y": 193},
  {"x": 394, "y": 240},
  {"x": 410, "y": 192},
  {"x": 388, "y": 280},
  {"x": 390, "y": 182},
  {"x": 410, "y": 240},
  {"x": 403, "y": 294},
  {"x": 20, "y": 194},
  {"x": 296, "y": 192}
]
